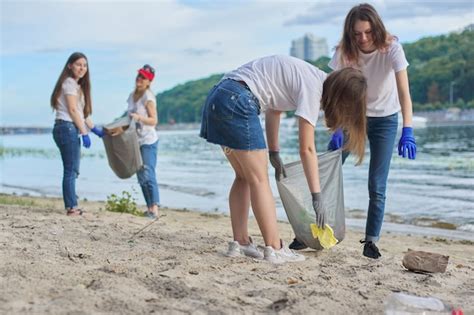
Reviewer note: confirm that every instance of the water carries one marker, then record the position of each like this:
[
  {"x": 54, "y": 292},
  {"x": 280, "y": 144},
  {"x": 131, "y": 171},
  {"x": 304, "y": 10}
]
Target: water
[{"x": 437, "y": 186}]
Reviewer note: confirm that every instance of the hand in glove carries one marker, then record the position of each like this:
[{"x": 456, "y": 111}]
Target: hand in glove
[
  {"x": 86, "y": 141},
  {"x": 319, "y": 210},
  {"x": 337, "y": 140},
  {"x": 407, "y": 144},
  {"x": 277, "y": 163},
  {"x": 99, "y": 132}
]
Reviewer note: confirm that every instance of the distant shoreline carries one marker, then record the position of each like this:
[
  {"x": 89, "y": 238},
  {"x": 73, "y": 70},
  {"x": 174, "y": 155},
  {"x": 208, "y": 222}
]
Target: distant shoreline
[
  {"x": 448, "y": 117},
  {"x": 31, "y": 130},
  {"x": 10, "y": 131}
]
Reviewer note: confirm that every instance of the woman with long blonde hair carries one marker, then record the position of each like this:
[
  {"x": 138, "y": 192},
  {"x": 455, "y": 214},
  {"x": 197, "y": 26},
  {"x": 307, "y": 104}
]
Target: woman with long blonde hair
[
  {"x": 142, "y": 109},
  {"x": 273, "y": 85}
]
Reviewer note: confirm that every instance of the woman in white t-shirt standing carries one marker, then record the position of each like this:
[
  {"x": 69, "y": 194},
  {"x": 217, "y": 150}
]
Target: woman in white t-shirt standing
[
  {"x": 366, "y": 45},
  {"x": 142, "y": 108},
  {"x": 276, "y": 84},
  {"x": 71, "y": 99}
]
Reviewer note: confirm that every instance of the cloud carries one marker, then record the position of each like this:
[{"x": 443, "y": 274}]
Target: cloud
[
  {"x": 183, "y": 39},
  {"x": 199, "y": 51},
  {"x": 332, "y": 12},
  {"x": 46, "y": 24}
]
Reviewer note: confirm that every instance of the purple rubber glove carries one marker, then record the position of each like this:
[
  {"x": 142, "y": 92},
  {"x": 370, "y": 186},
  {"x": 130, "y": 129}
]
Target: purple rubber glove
[
  {"x": 99, "y": 132},
  {"x": 86, "y": 141},
  {"x": 407, "y": 144},
  {"x": 337, "y": 140}
]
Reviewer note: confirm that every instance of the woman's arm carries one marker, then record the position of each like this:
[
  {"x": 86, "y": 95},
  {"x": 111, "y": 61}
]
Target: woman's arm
[
  {"x": 71, "y": 101},
  {"x": 152, "y": 118},
  {"x": 272, "y": 125},
  {"x": 404, "y": 97},
  {"x": 308, "y": 155},
  {"x": 89, "y": 123}
]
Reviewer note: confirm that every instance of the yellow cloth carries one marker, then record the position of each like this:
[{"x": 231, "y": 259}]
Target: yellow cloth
[{"x": 325, "y": 236}]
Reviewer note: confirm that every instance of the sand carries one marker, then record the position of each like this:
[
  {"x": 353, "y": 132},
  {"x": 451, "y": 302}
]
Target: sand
[{"x": 97, "y": 264}]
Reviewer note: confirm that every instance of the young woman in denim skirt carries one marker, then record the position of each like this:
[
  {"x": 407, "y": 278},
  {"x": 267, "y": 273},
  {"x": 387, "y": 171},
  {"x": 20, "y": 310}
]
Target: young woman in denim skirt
[
  {"x": 366, "y": 45},
  {"x": 230, "y": 119},
  {"x": 142, "y": 108},
  {"x": 71, "y": 99}
]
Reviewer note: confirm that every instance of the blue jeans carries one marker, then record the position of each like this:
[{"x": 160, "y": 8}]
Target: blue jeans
[
  {"x": 230, "y": 117},
  {"x": 66, "y": 137},
  {"x": 147, "y": 176},
  {"x": 381, "y": 132}
]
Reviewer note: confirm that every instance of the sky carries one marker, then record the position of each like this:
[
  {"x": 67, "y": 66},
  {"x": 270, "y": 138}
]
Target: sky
[{"x": 183, "y": 39}]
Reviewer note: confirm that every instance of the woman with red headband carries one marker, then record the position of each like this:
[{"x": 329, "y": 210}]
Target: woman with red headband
[{"x": 142, "y": 108}]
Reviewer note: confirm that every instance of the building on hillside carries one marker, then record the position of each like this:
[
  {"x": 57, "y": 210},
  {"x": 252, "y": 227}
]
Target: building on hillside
[{"x": 309, "y": 47}]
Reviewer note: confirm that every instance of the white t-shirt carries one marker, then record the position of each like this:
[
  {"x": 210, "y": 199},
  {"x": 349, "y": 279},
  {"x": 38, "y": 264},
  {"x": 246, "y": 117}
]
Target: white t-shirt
[
  {"x": 70, "y": 87},
  {"x": 146, "y": 134},
  {"x": 379, "y": 68},
  {"x": 284, "y": 83}
]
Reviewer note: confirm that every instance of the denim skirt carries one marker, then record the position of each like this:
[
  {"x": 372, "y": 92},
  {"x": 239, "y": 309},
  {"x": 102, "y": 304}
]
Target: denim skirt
[{"x": 230, "y": 117}]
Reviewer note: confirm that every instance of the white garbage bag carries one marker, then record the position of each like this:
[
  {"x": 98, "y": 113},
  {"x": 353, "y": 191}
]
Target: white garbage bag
[{"x": 296, "y": 198}]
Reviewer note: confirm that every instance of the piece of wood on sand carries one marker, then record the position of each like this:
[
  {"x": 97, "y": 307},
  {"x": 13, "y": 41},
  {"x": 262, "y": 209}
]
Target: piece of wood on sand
[{"x": 419, "y": 261}]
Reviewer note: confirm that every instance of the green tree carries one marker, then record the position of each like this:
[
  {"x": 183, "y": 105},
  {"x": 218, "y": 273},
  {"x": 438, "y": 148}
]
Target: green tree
[{"x": 184, "y": 102}]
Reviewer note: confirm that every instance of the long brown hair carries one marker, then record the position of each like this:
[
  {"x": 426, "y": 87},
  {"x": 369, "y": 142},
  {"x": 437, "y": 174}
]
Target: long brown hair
[
  {"x": 344, "y": 101},
  {"x": 83, "y": 82},
  {"x": 349, "y": 51}
]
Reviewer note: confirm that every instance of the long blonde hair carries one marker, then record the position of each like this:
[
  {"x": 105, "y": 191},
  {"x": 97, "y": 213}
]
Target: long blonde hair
[
  {"x": 83, "y": 82},
  {"x": 344, "y": 101}
]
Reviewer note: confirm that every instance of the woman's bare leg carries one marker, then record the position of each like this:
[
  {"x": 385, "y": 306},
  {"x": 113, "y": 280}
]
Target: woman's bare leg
[
  {"x": 239, "y": 203},
  {"x": 254, "y": 166}
]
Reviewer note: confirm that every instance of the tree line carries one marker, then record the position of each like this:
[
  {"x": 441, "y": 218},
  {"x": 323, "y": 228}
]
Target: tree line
[{"x": 441, "y": 74}]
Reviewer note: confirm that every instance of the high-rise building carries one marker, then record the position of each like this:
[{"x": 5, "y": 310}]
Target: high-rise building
[{"x": 309, "y": 47}]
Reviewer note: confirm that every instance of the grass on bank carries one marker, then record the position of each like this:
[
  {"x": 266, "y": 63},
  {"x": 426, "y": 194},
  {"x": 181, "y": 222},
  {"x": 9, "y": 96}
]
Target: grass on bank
[
  {"x": 16, "y": 200},
  {"x": 123, "y": 204}
]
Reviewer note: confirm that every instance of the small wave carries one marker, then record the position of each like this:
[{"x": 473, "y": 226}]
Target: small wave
[
  {"x": 23, "y": 190},
  {"x": 196, "y": 191},
  {"x": 466, "y": 228}
]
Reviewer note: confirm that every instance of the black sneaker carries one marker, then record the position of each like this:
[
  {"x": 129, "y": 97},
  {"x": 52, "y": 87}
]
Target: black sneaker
[
  {"x": 297, "y": 245},
  {"x": 370, "y": 250}
]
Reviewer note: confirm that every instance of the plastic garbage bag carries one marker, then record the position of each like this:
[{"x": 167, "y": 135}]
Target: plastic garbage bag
[
  {"x": 296, "y": 198},
  {"x": 123, "y": 150}
]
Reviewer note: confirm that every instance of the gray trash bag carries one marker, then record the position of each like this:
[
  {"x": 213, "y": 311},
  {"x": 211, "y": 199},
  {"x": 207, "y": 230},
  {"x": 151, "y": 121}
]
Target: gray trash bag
[
  {"x": 123, "y": 150},
  {"x": 296, "y": 198}
]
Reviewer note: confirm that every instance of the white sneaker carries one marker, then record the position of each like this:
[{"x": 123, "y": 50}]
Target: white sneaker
[
  {"x": 282, "y": 255},
  {"x": 250, "y": 250}
]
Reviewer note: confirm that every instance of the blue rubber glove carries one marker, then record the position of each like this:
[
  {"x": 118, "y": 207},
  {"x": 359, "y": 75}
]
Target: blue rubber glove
[
  {"x": 407, "y": 144},
  {"x": 99, "y": 132},
  {"x": 337, "y": 140},
  {"x": 86, "y": 141}
]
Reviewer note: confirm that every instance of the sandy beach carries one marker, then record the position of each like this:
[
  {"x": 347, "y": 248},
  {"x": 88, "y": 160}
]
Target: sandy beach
[{"x": 112, "y": 263}]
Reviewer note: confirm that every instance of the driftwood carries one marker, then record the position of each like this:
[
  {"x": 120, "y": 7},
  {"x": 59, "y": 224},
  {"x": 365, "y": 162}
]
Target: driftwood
[{"x": 420, "y": 261}]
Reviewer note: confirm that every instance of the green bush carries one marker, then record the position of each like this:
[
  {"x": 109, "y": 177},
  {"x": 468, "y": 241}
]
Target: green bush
[{"x": 124, "y": 204}]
